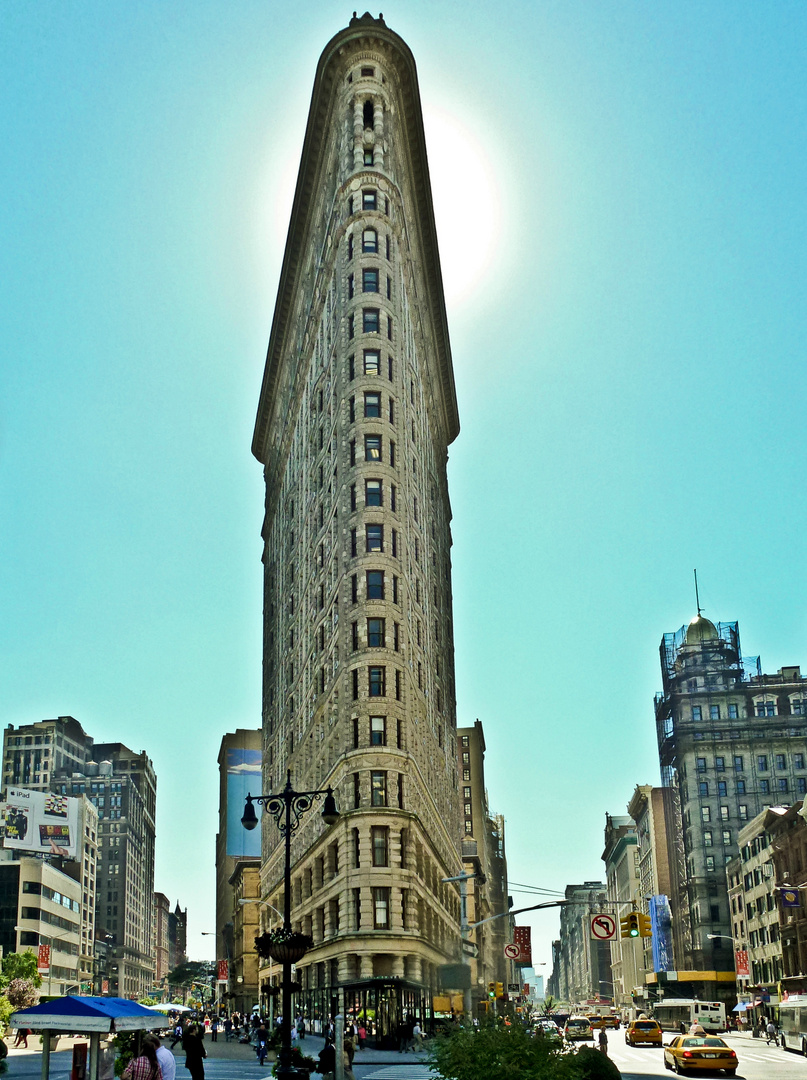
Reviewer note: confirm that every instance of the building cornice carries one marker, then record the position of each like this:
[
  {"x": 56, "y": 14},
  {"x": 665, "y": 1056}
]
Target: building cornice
[{"x": 361, "y": 33}]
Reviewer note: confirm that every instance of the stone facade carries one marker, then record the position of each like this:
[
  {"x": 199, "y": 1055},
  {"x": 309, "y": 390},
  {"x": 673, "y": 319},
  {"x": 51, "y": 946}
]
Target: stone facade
[
  {"x": 581, "y": 967},
  {"x": 788, "y": 835},
  {"x": 620, "y": 856},
  {"x": 356, "y": 414},
  {"x": 732, "y": 741}
]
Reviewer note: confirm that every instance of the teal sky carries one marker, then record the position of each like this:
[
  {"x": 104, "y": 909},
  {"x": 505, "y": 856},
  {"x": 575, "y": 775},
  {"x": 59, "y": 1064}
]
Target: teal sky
[{"x": 625, "y": 268}]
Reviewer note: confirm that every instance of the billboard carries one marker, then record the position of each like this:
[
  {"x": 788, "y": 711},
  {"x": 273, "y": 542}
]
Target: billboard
[
  {"x": 40, "y": 822},
  {"x": 243, "y": 778},
  {"x": 661, "y": 925}
]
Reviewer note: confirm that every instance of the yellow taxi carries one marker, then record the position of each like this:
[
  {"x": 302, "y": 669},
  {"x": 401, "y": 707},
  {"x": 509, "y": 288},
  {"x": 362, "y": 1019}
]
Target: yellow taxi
[
  {"x": 701, "y": 1052},
  {"x": 643, "y": 1031}
]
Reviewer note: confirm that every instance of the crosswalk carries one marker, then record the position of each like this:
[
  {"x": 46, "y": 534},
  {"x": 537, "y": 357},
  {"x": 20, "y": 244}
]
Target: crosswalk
[{"x": 415, "y": 1071}]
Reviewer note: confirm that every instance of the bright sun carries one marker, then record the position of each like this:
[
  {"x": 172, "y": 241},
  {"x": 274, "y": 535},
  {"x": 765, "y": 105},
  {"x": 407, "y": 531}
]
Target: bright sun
[{"x": 467, "y": 207}]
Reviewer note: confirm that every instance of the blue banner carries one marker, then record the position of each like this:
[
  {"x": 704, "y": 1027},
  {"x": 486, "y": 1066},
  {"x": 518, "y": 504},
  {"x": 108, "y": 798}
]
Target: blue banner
[{"x": 661, "y": 925}]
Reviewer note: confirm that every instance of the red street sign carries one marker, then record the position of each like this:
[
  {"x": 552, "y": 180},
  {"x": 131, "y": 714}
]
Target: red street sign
[{"x": 43, "y": 959}]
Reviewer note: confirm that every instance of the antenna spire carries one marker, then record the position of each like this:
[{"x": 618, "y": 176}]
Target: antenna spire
[{"x": 697, "y": 598}]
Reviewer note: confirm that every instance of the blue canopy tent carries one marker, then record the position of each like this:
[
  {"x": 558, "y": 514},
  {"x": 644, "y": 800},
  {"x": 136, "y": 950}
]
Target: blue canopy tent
[{"x": 91, "y": 1016}]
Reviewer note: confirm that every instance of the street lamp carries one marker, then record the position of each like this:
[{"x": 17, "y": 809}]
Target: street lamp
[{"x": 287, "y": 807}]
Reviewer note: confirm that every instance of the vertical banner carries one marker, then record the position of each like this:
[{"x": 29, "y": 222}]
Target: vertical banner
[
  {"x": 104, "y": 986},
  {"x": 223, "y": 971},
  {"x": 741, "y": 964},
  {"x": 661, "y": 925},
  {"x": 43, "y": 959},
  {"x": 243, "y": 778},
  {"x": 522, "y": 936}
]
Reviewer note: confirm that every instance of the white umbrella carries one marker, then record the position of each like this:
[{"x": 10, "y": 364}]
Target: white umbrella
[{"x": 168, "y": 1007}]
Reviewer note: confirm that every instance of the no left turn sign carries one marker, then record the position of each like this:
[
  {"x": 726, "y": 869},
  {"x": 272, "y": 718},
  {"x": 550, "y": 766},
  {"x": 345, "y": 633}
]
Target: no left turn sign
[{"x": 603, "y": 927}]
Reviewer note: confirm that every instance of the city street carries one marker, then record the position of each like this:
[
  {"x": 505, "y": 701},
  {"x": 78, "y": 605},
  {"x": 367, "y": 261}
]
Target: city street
[{"x": 228, "y": 1061}]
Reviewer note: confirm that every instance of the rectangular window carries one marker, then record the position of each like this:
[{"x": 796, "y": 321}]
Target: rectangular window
[
  {"x": 392, "y": 410},
  {"x": 374, "y": 537},
  {"x": 375, "y": 584},
  {"x": 721, "y": 789},
  {"x": 393, "y": 496},
  {"x": 352, "y": 451},
  {"x": 706, "y": 814},
  {"x": 357, "y": 908},
  {"x": 372, "y": 448},
  {"x": 376, "y": 634},
  {"x": 372, "y": 362},
  {"x": 762, "y": 762},
  {"x": 350, "y": 247},
  {"x": 714, "y": 712},
  {"x": 368, "y": 200},
  {"x": 369, "y": 279},
  {"x": 350, "y": 287},
  {"x": 707, "y": 838},
  {"x": 798, "y": 761},
  {"x": 378, "y": 789},
  {"x": 351, "y": 327},
  {"x": 801, "y": 785},
  {"x": 369, "y": 241},
  {"x": 351, "y": 370},
  {"x": 724, "y": 813},
  {"x": 380, "y": 845},
  {"x": 372, "y": 406},
  {"x": 764, "y": 787},
  {"x": 395, "y": 543},
  {"x": 780, "y": 761},
  {"x": 389, "y": 327},
  {"x": 380, "y": 908},
  {"x": 732, "y": 712},
  {"x": 355, "y": 675},
  {"x": 392, "y": 453},
  {"x": 353, "y": 543},
  {"x": 727, "y": 838},
  {"x": 354, "y": 635},
  {"x": 370, "y": 320},
  {"x": 700, "y": 764},
  {"x": 352, "y": 497},
  {"x": 397, "y": 685},
  {"x": 389, "y": 287},
  {"x": 354, "y": 589},
  {"x": 743, "y": 812},
  {"x": 720, "y": 764},
  {"x": 696, "y": 712},
  {"x": 376, "y": 681},
  {"x": 710, "y": 863},
  {"x": 395, "y": 588},
  {"x": 373, "y": 493},
  {"x": 378, "y": 731},
  {"x": 739, "y": 763},
  {"x": 356, "y": 791},
  {"x": 703, "y": 787},
  {"x": 741, "y": 787},
  {"x": 781, "y": 783}
]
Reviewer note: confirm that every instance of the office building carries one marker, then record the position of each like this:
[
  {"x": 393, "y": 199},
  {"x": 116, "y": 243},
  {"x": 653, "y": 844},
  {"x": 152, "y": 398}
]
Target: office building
[
  {"x": 622, "y": 894},
  {"x": 357, "y": 410},
  {"x": 732, "y": 741},
  {"x": 581, "y": 971},
  {"x": 58, "y": 756}
]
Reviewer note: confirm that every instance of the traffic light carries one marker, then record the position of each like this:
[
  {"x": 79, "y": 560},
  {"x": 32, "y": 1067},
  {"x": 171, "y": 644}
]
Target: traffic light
[
  {"x": 645, "y": 926},
  {"x": 491, "y": 989},
  {"x": 629, "y": 925},
  {"x": 499, "y": 990}
]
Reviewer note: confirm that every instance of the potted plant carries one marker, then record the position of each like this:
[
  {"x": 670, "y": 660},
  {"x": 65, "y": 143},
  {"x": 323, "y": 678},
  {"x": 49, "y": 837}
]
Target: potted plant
[{"x": 283, "y": 946}]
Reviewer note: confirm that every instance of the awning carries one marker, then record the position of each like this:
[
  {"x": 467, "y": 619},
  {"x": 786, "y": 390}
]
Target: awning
[
  {"x": 741, "y": 1006},
  {"x": 88, "y": 1014}
]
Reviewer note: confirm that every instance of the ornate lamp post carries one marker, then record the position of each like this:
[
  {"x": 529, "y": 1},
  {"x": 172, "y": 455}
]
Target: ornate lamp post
[{"x": 287, "y": 948}]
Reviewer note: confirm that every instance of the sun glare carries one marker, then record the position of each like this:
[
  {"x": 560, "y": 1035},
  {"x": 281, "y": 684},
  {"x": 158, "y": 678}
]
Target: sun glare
[{"x": 467, "y": 207}]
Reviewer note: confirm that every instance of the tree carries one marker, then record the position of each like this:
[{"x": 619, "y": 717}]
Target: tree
[
  {"x": 498, "y": 1052},
  {"x": 20, "y": 966},
  {"x": 22, "y": 994},
  {"x": 549, "y": 1005}
]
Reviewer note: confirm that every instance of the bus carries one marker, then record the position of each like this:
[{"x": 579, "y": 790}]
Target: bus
[
  {"x": 678, "y": 1014},
  {"x": 793, "y": 1023}
]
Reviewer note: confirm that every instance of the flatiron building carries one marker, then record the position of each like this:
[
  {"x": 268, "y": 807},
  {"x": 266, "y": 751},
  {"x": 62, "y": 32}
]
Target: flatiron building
[{"x": 357, "y": 410}]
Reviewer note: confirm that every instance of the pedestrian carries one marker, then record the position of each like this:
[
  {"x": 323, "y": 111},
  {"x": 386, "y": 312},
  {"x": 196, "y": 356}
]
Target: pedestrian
[
  {"x": 165, "y": 1059},
  {"x": 349, "y": 1051},
  {"x": 22, "y": 1037},
  {"x": 145, "y": 1066},
  {"x": 362, "y": 1035},
  {"x": 194, "y": 1052},
  {"x": 178, "y": 1033},
  {"x": 770, "y": 1031},
  {"x": 261, "y": 1043},
  {"x": 602, "y": 1039},
  {"x": 228, "y": 1029},
  {"x": 301, "y": 1028},
  {"x": 417, "y": 1037},
  {"x": 214, "y": 1029},
  {"x": 327, "y": 1060}
]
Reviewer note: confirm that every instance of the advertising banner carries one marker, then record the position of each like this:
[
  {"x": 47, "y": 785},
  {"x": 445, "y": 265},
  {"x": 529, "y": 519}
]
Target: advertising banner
[
  {"x": 661, "y": 925},
  {"x": 522, "y": 936},
  {"x": 43, "y": 959},
  {"x": 223, "y": 971},
  {"x": 741, "y": 964},
  {"x": 790, "y": 898},
  {"x": 243, "y": 778},
  {"x": 40, "y": 822}
]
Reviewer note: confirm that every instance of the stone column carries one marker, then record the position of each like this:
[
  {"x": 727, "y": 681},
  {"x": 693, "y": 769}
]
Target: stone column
[
  {"x": 358, "y": 134},
  {"x": 378, "y": 132}
]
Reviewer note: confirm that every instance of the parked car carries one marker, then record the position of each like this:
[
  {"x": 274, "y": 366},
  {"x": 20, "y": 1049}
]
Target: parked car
[
  {"x": 578, "y": 1027},
  {"x": 643, "y": 1032},
  {"x": 701, "y": 1052}
]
